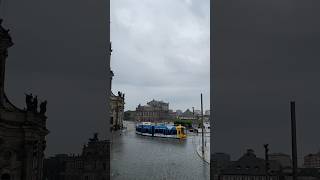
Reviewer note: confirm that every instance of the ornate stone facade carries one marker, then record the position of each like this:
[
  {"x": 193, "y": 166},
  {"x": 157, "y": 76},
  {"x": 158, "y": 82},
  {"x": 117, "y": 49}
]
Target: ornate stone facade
[
  {"x": 249, "y": 166},
  {"x": 22, "y": 132},
  {"x": 117, "y": 110},
  {"x": 154, "y": 111},
  {"x": 90, "y": 165},
  {"x": 116, "y": 106}
]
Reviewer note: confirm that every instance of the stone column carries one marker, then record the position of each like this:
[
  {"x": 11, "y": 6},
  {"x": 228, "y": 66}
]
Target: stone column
[{"x": 27, "y": 167}]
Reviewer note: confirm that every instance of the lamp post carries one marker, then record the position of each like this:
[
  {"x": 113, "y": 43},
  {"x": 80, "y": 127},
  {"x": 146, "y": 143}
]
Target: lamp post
[
  {"x": 293, "y": 140},
  {"x": 202, "y": 129}
]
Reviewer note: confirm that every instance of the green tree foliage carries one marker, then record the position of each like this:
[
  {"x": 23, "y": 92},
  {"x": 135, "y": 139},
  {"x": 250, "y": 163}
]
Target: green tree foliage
[{"x": 186, "y": 123}]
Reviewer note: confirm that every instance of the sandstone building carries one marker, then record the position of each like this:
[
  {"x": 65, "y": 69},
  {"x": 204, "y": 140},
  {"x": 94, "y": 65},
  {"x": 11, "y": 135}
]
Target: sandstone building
[
  {"x": 22, "y": 131},
  {"x": 116, "y": 106},
  {"x": 154, "y": 111}
]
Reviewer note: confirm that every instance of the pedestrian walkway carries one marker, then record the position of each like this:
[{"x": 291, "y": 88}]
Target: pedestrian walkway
[{"x": 206, "y": 155}]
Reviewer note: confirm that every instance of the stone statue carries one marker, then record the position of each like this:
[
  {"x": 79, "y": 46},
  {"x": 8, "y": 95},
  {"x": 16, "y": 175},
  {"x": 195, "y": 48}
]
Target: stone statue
[
  {"x": 95, "y": 138},
  {"x": 29, "y": 101},
  {"x": 35, "y": 104},
  {"x": 110, "y": 48},
  {"x": 43, "y": 107}
]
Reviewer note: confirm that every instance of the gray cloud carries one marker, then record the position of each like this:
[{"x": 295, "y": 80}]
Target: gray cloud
[{"x": 161, "y": 51}]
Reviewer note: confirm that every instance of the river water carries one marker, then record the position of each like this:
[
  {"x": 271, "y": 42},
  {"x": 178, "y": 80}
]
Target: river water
[{"x": 135, "y": 157}]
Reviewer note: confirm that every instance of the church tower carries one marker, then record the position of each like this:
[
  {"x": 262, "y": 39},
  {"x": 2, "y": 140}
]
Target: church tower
[{"x": 22, "y": 131}]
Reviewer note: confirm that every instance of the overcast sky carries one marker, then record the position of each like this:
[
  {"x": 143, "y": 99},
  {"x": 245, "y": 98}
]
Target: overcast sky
[
  {"x": 266, "y": 54},
  {"x": 161, "y": 51}
]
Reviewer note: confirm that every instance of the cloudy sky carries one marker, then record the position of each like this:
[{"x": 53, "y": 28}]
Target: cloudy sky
[
  {"x": 161, "y": 51},
  {"x": 266, "y": 54}
]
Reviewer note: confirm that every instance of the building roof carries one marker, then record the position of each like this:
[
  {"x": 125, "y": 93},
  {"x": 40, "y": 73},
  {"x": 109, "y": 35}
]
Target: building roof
[{"x": 249, "y": 164}]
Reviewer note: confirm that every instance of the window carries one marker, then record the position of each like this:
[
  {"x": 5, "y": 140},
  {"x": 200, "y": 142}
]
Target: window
[{"x": 7, "y": 155}]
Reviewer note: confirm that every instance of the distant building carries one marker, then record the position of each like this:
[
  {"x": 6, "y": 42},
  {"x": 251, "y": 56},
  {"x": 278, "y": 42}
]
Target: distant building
[
  {"x": 172, "y": 115},
  {"x": 22, "y": 131},
  {"x": 302, "y": 174},
  {"x": 188, "y": 115},
  {"x": 197, "y": 112},
  {"x": 178, "y": 112},
  {"x": 130, "y": 115},
  {"x": 249, "y": 166},
  {"x": 312, "y": 160},
  {"x": 90, "y": 165},
  {"x": 207, "y": 112},
  {"x": 54, "y": 167},
  {"x": 154, "y": 111},
  {"x": 283, "y": 159}
]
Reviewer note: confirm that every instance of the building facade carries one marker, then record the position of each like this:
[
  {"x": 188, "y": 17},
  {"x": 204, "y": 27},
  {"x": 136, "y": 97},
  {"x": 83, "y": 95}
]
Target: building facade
[
  {"x": 312, "y": 160},
  {"x": 117, "y": 110},
  {"x": 116, "y": 106},
  {"x": 284, "y": 159},
  {"x": 250, "y": 167},
  {"x": 154, "y": 111},
  {"x": 90, "y": 165},
  {"x": 179, "y": 112},
  {"x": 22, "y": 131}
]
